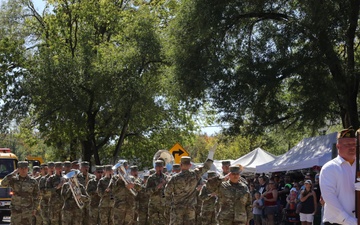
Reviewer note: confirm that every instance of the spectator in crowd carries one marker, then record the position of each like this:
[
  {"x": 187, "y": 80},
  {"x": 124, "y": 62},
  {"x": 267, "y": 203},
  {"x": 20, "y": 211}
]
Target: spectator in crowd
[
  {"x": 316, "y": 187},
  {"x": 308, "y": 204},
  {"x": 257, "y": 209},
  {"x": 270, "y": 203},
  {"x": 262, "y": 184},
  {"x": 292, "y": 199},
  {"x": 306, "y": 177}
]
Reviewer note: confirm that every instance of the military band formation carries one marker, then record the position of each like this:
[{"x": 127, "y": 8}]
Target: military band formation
[{"x": 65, "y": 193}]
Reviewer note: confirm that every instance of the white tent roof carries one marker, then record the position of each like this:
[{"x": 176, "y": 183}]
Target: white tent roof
[
  {"x": 249, "y": 161},
  {"x": 309, "y": 152},
  {"x": 254, "y": 158}
]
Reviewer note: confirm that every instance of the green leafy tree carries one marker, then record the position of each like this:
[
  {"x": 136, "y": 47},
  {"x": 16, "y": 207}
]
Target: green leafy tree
[
  {"x": 96, "y": 77},
  {"x": 264, "y": 63}
]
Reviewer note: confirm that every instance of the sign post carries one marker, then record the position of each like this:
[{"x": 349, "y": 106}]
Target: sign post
[{"x": 178, "y": 151}]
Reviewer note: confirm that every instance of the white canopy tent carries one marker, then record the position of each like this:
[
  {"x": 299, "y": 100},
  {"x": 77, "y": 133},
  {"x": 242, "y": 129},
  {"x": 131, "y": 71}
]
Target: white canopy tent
[
  {"x": 309, "y": 152},
  {"x": 249, "y": 161},
  {"x": 254, "y": 158}
]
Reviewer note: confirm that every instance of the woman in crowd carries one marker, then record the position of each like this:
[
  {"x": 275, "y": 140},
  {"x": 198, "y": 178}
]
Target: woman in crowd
[
  {"x": 270, "y": 202},
  {"x": 308, "y": 204}
]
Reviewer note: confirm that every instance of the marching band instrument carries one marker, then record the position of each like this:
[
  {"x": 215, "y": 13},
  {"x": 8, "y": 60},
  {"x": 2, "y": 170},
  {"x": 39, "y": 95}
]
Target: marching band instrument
[
  {"x": 75, "y": 187},
  {"x": 165, "y": 156},
  {"x": 124, "y": 175}
]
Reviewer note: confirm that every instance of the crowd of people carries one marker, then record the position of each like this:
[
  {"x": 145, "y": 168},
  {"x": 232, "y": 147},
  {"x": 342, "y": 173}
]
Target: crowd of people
[{"x": 183, "y": 196}]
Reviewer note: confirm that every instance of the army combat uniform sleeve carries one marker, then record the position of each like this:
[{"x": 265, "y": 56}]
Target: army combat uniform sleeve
[
  {"x": 8, "y": 180},
  {"x": 207, "y": 165}
]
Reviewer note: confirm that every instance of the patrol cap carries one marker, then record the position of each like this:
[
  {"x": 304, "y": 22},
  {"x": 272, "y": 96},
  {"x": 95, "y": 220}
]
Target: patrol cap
[
  {"x": 67, "y": 164},
  {"x": 185, "y": 160},
  {"x": 23, "y": 164},
  {"x": 36, "y": 168},
  {"x": 51, "y": 164},
  {"x": 176, "y": 167},
  {"x": 159, "y": 162},
  {"x": 99, "y": 168},
  {"x": 346, "y": 133},
  {"x": 146, "y": 176},
  {"x": 75, "y": 162},
  {"x": 108, "y": 168},
  {"x": 58, "y": 164},
  {"x": 225, "y": 162},
  {"x": 134, "y": 168},
  {"x": 235, "y": 169},
  {"x": 85, "y": 164},
  {"x": 43, "y": 165},
  {"x": 211, "y": 174}
]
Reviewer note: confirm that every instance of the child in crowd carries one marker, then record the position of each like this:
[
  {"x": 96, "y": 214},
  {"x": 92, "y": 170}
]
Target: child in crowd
[
  {"x": 257, "y": 208},
  {"x": 292, "y": 199}
]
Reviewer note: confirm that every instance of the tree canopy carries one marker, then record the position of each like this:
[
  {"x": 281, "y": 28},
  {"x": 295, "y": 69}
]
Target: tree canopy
[
  {"x": 95, "y": 76},
  {"x": 267, "y": 63}
]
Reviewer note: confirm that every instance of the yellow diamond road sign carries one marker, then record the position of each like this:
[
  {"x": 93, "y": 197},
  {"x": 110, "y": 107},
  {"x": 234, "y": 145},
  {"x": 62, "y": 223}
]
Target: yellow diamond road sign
[{"x": 177, "y": 151}]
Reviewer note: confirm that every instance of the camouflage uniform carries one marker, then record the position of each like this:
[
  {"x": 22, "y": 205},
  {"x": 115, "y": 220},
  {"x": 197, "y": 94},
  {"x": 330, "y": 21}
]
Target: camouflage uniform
[
  {"x": 84, "y": 179},
  {"x": 157, "y": 206},
  {"x": 124, "y": 203},
  {"x": 38, "y": 219},
  {"x": 234, "y": 200},
  {"x": 181, "y": 192},
  {"x": 208, "y": 207},
  {"x": 94, "y": 201},
  {"x": 44, "y": 200},
  {"x": 71, "y": 213},
  {"x": 55, "y": 202},
  {"x": 143, "y": 197},
  {"x": 24, "y": 199},
  {"x": 106, "y": 205},
  {"x": 139, "y": 183}
]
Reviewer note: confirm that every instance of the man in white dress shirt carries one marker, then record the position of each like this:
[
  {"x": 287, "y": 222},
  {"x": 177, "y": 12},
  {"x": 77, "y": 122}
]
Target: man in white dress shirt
[{"x": 337, "y": 179}]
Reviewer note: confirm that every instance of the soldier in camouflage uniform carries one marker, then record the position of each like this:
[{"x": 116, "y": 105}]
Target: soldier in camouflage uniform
[
  {"x": 155, "y": 186},
  {"x": 94, "y": 196},
  {"x": 36, "y": 172},
  {"x": 124, "y": 201},
  {"x": 176, "y": 168},
  {"x": 143, "y": 197},
  {"x": 53, "y": 185},
  {"x": 44, "y": 194},
  {"x": 106, "y": 205},
  {"x": 181, "y": 191},
  {"x": 207, "y": 214},
  {"x": 67, "y": 167},
  {"x": 75, "y": 165},
  {"x": 71, "y": 212},
  {"x": 42, "y": 172},
  {"x": 84, "y": 178},
  {"x": 25, "y": 192},
  {"x": 225, "y": 165},
  {"x": 199, "y": 202},
  {"x": 134, "y": 172},
  {"x": 234, "y": 199}
]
